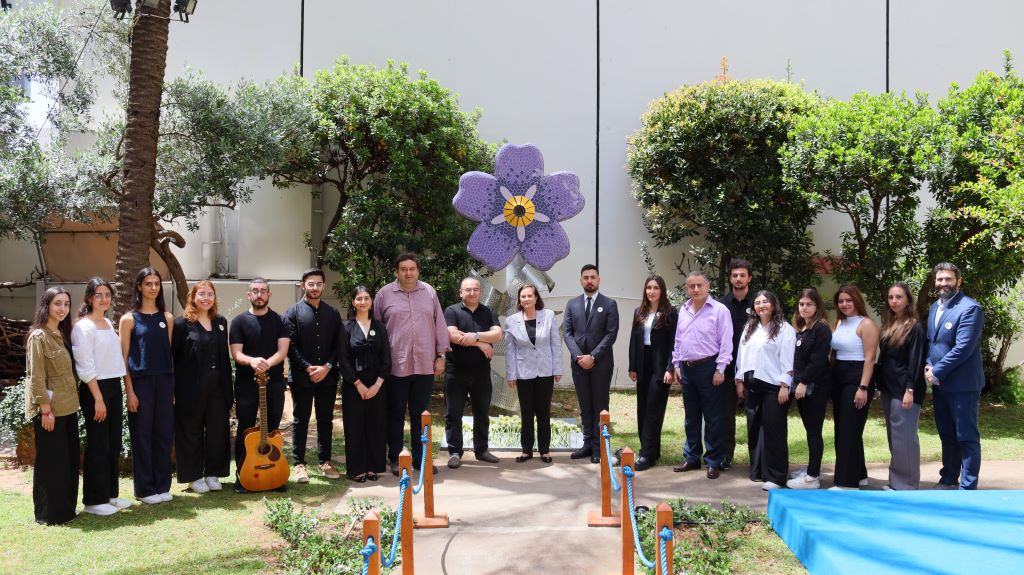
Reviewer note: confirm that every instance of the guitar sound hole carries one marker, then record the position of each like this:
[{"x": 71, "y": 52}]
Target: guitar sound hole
[{"x": 264, "y": 449}]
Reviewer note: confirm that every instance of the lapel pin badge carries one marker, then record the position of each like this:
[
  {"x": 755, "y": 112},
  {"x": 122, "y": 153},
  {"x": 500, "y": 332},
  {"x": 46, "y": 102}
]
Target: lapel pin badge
[{"x": 949, "y": 325}]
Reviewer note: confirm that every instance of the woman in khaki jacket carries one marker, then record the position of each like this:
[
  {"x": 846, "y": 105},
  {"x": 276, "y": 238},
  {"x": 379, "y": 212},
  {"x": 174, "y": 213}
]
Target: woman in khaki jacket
[{"x": 51, "y": 402}]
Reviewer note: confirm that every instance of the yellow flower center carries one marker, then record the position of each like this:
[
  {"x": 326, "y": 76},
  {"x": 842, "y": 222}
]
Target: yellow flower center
[{"x": 519, "y": 211}]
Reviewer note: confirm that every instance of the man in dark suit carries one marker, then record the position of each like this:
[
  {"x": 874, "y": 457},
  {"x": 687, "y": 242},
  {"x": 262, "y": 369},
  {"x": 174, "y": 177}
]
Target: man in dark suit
[
  {"x": 591, "y": 324},
  {"x": 954, "y": 370}
]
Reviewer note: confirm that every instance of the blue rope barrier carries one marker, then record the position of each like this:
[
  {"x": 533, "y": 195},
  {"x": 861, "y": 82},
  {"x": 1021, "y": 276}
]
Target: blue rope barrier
[
  {"x": 423, "y": 460},
  {"x": 403, "y": 484},
  {"x": 366, "y": 552},
  {"x": 628, "y": 473},
  {"x": 608, "y": 456},
  {"x": 664, "y": 536}
]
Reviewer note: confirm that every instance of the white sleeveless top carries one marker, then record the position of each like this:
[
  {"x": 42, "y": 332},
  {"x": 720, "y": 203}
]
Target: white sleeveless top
[{"x": 848, "y": 345}]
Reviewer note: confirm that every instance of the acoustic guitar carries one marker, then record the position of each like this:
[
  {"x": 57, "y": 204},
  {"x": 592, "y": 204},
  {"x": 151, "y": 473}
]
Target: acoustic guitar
[{"x": 264, "y": 466}]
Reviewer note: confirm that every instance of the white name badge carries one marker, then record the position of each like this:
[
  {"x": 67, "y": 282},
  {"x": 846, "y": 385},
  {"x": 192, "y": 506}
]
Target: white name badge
[
  {"x": 600, "y": 309},
  {"x": 162, "y": 324},
  {"x": 949, "y": 325}
]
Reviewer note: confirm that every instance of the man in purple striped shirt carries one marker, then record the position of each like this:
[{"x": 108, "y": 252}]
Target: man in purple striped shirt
[
  {"x": 418, "y": 334},
  {"x": 701, "y": 353}
]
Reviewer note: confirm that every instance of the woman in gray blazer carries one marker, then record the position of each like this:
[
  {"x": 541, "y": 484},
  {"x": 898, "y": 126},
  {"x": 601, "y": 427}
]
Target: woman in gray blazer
[{"x": 533, "y": 363}]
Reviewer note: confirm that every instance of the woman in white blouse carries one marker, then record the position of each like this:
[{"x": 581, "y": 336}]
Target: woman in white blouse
[
  {"x": 533, "y": 363},
  {"x": 764, "y": 370},
  {"x": 100, "y": 367}
]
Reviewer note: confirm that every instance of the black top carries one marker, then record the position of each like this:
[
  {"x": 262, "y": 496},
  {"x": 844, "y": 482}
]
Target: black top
[
  {"x": 149, "y": 350},
  {"x": 468, "y": 359},
  {"x": 663, "y": 339},
  {"x": 810, "y": 362},
  {"x": 900, "y": 368},
  {"x": 314, "y": 334},
  {"x": 258, "y": 335},
  {"x": 531, "y": 330},
  {"x": 739, "y": 310},
  {"x": 197, "y": 351},
  {"x": 364, "y": 355}
]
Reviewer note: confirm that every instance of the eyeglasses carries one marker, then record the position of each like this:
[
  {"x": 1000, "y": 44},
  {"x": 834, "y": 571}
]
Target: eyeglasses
[
  {"x": 470, "y": 290},
  {"x": 259, "y": 291}
]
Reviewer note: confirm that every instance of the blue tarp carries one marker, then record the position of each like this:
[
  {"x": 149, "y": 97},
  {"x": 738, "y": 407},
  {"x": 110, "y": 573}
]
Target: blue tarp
[{"x": 906, "y": 532}]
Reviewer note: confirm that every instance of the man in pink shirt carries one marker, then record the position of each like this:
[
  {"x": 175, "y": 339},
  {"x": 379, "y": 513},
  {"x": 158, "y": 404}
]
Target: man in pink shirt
[{"x": 419, "y": 339}]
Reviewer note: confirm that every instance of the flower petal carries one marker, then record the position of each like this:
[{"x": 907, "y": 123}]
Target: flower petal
[
  {"x": 478, "y": 198},
  {"x": 558, "y": 195},
  {"x": 545, "y": 244},
  {"x": 493, "y": 245},
  {"x": 518, "y": 167},
  {"x": 541, "y": 217}
]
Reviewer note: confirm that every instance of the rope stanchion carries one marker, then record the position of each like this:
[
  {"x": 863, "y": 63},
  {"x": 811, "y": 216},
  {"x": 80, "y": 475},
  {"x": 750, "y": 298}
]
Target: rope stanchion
[
  {"x": 663, "y": 533},
  {"x": 371, "y": 534},
  {"x": 604, "y": 517},
  {"x": 626, "y": 513},
  {"x": 426, "y": 446},
  {"x": 403, "y": 521},
  {"x": 627, "y": 476},
  {"x": 429, "y": 519}
]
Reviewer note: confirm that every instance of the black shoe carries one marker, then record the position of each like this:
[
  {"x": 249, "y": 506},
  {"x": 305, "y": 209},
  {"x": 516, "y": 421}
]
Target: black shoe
[
  {"x": 282, "y": 489},
  {"x": 394, "y": 468},
  {"x": 580, "y": 453},
  {"x": 643, "y": 464},
  {"x": 239, "y": 489},
  {"x": 595, "y": 459},
  {"x": 432, "y": 467},
  {"x": 726, "y": 465}
]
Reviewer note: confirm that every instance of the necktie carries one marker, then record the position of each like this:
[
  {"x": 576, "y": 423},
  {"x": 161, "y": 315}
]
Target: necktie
[
  {"x": 938, "y": 315},
  {"x": 586, "y": 312}
]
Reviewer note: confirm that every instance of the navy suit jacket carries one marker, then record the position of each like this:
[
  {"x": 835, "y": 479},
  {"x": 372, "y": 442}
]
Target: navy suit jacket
[{"x": 954, "y": 347}]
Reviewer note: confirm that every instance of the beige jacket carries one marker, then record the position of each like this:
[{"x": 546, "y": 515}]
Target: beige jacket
[{"x": 48, "y": 367}]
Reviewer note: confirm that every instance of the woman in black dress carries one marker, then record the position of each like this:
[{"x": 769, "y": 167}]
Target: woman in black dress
[{"x": 365, "y": 361}]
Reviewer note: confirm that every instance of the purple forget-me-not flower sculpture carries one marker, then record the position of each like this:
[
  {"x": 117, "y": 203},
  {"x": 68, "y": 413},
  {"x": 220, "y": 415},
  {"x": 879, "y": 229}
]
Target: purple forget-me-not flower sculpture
[{"x": 519, "y": 208}]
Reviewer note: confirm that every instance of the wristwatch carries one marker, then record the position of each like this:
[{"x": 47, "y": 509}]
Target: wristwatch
[
  {"x": 477, "y": 334},
  {"x": 862, "y": 387}
]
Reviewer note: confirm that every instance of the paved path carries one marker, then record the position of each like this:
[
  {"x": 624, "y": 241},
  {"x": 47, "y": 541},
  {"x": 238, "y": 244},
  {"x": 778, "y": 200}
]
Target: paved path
[{"x": 532, "y": 517}]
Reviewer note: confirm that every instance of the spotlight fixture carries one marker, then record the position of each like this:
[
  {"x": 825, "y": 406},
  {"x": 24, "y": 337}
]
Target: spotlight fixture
[
  {"x": 185, "y": 8},
  {"x": 120, "y": 7}
]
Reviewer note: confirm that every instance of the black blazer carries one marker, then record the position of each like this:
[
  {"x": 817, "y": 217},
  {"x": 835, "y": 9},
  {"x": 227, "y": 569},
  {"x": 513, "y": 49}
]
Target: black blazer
[
  {"x": 371, "y": 353},
  {"x": 188, "y": 356},
  {"x": 900, "y": 368},
  {"x": 810, "y": 361},
  {"x": 662, "y": 341}
]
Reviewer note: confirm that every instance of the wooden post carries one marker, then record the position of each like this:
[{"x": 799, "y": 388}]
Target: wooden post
[
  {"x": 664, "y": 520},
  {"x": 604, "y": 517},
  {"x": 627, "y": 524},
  {"x": 405, "y": 465},
  {"x": 371, "y": 528},
  {"x": 429, "y": 520}
]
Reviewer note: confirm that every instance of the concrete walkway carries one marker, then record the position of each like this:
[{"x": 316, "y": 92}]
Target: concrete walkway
[{"x": 532, "y": 517}]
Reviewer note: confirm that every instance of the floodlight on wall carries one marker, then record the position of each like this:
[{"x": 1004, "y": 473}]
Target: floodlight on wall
[
  {"x": 121, "y": 8},
  {"x": 185, "y": 8}
]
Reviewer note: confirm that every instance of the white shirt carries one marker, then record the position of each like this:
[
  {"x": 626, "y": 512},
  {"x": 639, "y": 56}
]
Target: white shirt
[
  {"x": 770, "y": 359},
  {"x": 648, "y": 325},
  {"x": 97, "y": 351}
]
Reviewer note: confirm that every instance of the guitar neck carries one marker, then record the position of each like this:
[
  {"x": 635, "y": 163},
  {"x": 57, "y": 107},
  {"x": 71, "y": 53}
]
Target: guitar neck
[{"x": 263, "y": 410}]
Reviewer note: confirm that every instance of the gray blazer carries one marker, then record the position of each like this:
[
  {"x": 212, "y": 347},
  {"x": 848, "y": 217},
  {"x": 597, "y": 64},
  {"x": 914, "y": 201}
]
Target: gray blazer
[
  {"x": 596, "y": 336},
  {"x": 526, "y": 360}
]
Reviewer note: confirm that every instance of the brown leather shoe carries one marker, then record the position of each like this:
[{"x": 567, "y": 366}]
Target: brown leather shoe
[
  {"x": 686, "y": 466},
  {"x": 713, "y": 472}
]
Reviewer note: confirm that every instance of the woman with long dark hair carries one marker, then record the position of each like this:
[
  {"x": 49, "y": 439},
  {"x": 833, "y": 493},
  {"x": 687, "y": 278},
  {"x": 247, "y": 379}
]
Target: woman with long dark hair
[
  {"x": 810, "y": 381},
  {"x": 51, "y": 402},
  {"x": 100, "y": 368},
  {"x": 854, "y": 345},
  {"x": 202, "y": 391},
  {"x": 149, "y": 386},
  {"x": 764, "y": 374},
  {"x": 650, "y": 355},
  {"x": 365, "y": 356},
  {"x": 901, "y": 379}
]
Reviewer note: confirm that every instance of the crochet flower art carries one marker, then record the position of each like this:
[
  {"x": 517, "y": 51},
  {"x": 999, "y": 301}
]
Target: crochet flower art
[{"x": 519, "y": 208}]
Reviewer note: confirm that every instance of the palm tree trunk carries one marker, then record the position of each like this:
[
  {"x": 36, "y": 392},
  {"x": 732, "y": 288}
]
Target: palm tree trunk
[{"x": 145, "y": 88}]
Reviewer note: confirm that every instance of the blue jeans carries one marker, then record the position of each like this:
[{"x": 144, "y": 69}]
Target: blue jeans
[
  {"x": 956, "y": 419},
  {"x": 702, "y": 402}
]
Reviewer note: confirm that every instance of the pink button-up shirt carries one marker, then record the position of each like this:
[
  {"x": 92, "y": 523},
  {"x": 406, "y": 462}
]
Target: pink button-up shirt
[
  {"x": 706, "y": 333},
  {"x": 416, "y": 327}
]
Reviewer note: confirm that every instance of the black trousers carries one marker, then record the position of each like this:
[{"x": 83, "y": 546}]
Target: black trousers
[
  {"x": 767, "y": 432},
  {"x": 152, "y": 431},
  {"x": 849, "y": 423},
  {"x": 410, "y": 394},
  {"x": 102, "y": 443},
  {"x": 729, "y": 401},
  {"x": 202, "y": 432},
  {"x": 304, "y": 395},
  {"x": 535, "y": 401},
  {"x": 651, "y": 402},
  {"x": 55, "y": 474},
  {"x": 247, "y": 406},
  {"x": 457, "y": 386},
  {"x": 592, "y": 391},
  {"x": 702, "y": 404},
  {"x": 812, "y": 413},
  {"x": 365, "y": 427}
]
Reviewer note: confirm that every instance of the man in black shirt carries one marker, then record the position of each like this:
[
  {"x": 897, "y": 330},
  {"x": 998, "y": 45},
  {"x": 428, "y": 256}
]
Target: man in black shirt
[
  {"x": 259, "y": 343},
  {"x": 473, "y": 328},
  {"x": 313, "y": 378},
  {"x": 740, "y": 301}
]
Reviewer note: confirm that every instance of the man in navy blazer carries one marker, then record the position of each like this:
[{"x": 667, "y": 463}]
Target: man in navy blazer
[
  {"x": 591, "y": 325},
  {"x": 954, "y": 369}
]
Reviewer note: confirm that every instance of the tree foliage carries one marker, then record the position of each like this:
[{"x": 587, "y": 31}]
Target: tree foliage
[
  {"x": 392, "y": 146},
  {"x": 705, "y": 162}
]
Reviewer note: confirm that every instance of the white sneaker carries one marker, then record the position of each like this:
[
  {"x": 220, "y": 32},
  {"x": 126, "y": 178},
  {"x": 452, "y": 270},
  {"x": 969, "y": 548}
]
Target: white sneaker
[
  {"x": 838, "y": 488},
  {"x": 799, "y": 472},
  {"x": 804, "y": 482},
  {"x": 120, "y": 503},
  {"x": 214, "y": 483},
  {"x": 863, "y": 482},
  {"x": 151, "y": 499},
  {"x": 887, "y": 488},
  {"x": 197, "y": 486},
  {"x": 102, "y": 509},
  {"x": 769, "y": 486},
  {"x": 165, "y": 497}
]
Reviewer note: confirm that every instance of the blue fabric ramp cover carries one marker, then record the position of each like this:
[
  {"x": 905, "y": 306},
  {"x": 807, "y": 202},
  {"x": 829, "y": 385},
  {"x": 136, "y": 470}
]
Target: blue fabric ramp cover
[{"x": 906, "y": 532}]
